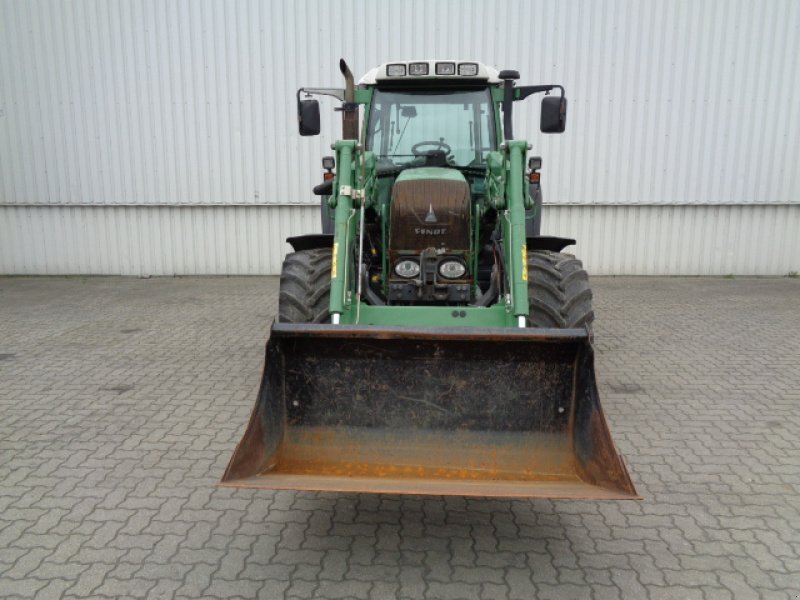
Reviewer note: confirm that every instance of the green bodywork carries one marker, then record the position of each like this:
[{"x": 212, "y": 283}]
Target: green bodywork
[
  {"x": 357, "y": 187},
  {"x": 430, "y": 173}
]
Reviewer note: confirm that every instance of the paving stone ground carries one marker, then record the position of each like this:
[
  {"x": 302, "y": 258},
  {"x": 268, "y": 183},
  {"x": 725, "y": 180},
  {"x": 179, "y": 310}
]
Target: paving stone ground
[{"x": 121, "y": 401}]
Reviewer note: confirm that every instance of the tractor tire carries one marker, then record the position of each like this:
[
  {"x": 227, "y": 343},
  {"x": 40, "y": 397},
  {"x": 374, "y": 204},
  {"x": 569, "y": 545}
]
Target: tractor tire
[
  {"x": 305, "y": 287},
  {"x": 559, "y": 295}
]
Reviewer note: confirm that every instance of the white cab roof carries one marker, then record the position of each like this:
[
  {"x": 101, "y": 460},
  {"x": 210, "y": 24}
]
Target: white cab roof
[{"x": 381, "y": 73}]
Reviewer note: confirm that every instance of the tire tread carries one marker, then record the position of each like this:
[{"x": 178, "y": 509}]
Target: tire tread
[
  {"x": 559, "y": 294},
  {"x": 305, "y": 287}
]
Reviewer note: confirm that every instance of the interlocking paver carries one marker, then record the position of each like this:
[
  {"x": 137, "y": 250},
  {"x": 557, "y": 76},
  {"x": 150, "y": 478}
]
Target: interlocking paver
[{"x": 121, "y": 401}]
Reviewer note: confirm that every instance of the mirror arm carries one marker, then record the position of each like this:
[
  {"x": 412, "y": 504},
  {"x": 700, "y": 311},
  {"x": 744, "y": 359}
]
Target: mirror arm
[
  {"x": 298, "y": 103},
  {"x": 524, "y": 91},
  {"x": 337, "y": 93}
]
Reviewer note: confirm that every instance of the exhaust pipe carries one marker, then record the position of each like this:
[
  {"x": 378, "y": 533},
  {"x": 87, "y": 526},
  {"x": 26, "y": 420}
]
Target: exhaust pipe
[{"x": 349, "y": 106}]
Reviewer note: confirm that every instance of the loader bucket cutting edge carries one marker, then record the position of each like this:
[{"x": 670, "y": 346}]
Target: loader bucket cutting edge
[{"x": 455, "y": 411}]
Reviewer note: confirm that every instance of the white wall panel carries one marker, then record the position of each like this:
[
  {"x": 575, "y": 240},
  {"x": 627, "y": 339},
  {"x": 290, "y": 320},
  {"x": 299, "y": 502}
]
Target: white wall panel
[
  {"x": 681, "y": 240},
  {"x": 145, "y": 241},
  {"x": 184, "y": 102}
]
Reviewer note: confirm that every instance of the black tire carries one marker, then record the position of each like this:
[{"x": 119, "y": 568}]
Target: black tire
[
  {"x": 305, "y": 287},
  {"x": 558, "y": 291}
]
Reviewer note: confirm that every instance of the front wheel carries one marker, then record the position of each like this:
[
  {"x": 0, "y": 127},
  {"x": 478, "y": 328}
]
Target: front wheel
[
  {"x": 305, "y": 287},
  {"x": 559, "y": 295}
]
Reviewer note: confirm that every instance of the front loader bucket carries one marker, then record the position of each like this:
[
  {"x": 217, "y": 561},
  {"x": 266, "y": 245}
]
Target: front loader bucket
[{"x": 478, "y": 412}]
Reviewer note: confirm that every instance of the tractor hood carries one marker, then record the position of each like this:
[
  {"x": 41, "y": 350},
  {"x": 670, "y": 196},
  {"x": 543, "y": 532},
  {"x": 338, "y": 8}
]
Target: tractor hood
[{"x": 430, "y": 223}]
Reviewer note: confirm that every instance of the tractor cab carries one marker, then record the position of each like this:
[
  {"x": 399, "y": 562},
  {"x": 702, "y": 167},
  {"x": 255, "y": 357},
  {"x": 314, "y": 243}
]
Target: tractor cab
[{"x": 431, "y": 114}]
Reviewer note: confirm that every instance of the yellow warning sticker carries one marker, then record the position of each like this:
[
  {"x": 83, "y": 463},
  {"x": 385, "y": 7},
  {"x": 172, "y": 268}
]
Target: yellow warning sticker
[
  {"x": 524, "y": 262},
  {"x": 334, "y": 260}
]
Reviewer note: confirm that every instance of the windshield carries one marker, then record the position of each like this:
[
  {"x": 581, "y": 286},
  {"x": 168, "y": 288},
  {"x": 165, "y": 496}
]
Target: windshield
[{"x": 405, "y": 126}]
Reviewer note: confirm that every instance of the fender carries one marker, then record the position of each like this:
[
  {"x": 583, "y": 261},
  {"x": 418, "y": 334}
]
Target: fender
[
  {"x": 310, "y": 241},
  {"x": 323, "y": 189},
  {"x": 548, "y": 242}
]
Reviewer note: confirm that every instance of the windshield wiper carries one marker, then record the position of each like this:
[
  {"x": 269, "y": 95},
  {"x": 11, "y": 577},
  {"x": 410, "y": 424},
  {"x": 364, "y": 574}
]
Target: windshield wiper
[{"x": 397, "y": 145}]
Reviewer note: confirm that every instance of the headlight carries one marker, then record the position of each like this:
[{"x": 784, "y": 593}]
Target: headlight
[
  {"x": 445, "y": 68},
  {"x": 468, "y": 69},
  {"x": 418, "y": 69},
  {"x": 407, "y": 268},
  {"x": 395, "y": 70},
  {"x": 452, "y": 269}
]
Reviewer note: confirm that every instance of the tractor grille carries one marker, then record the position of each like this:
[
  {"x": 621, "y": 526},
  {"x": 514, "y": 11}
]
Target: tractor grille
[{"x": 429, "y": 213}]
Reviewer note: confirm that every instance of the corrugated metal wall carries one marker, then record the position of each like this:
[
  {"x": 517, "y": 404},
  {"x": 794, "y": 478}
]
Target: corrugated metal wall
[{"x": 117, "y": 119}]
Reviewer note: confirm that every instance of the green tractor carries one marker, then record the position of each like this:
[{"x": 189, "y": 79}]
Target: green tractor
[{"x": 429, "y": 340}]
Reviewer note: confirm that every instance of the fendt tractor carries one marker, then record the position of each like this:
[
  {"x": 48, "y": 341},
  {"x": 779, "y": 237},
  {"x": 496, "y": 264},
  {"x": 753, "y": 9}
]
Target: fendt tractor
[{"x": 430, "y": 340}]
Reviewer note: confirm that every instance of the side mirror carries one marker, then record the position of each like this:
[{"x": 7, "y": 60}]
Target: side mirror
[
  {"x": 308, "y": 117},
  {"x": 554, "y": 114}
]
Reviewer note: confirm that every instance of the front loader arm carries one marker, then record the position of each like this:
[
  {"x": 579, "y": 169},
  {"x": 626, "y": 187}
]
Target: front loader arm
[
  {"x": 341, "y": 201},
  {"x": 514, "y": 229},
  {"x": 508, "y": 195},
  {"x": 352, "y": 191}
]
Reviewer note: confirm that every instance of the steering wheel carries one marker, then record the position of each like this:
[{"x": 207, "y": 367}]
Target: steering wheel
[{"x": 438, "y": 145}]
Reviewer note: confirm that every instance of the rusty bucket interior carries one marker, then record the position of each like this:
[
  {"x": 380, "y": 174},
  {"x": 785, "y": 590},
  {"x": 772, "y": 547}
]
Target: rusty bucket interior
[{"x": 477, "y": 412}]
